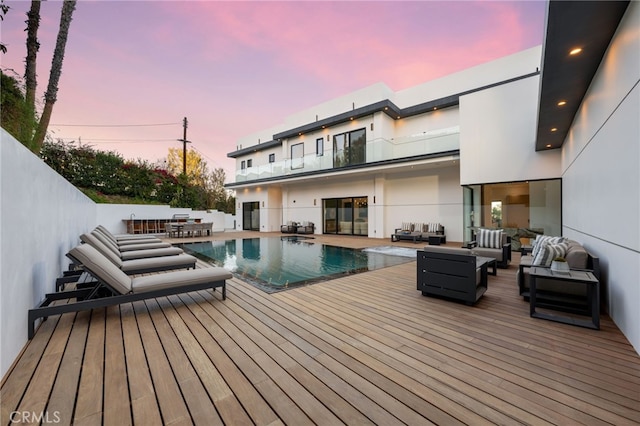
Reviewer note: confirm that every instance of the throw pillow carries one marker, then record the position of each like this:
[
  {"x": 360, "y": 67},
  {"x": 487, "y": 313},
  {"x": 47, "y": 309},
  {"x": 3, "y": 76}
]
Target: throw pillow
[
  {"x": 490, "y": 238},
  {"x": 434, "y": 227},
  {"x": 406, "y": 226},
  {"x": 545, "y": 239},
  {"x": 547, "y": 252}
]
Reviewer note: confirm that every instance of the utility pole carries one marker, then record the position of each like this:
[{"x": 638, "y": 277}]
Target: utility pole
[{"x": 184, "y": 146}]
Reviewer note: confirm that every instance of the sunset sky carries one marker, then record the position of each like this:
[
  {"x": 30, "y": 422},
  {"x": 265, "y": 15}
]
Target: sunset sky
[{"x": 134, "y": 69}]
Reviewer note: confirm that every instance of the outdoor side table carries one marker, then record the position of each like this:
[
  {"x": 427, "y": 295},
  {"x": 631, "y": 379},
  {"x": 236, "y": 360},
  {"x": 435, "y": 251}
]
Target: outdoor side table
[{"x": 584, "y": 277}]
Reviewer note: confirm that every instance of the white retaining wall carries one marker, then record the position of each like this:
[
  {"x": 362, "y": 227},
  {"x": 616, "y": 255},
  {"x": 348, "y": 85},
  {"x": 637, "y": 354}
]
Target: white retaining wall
[{"x": 41, "y": 216}]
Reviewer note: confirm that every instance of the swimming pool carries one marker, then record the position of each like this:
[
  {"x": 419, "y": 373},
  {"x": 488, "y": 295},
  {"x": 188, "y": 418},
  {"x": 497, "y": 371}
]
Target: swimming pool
[{"x": 278, "y": 263}]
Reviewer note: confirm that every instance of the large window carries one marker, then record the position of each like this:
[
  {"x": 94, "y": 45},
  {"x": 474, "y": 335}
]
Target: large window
[
  {"x": 522, "y": 209},
  {"x": 350, "y": 148}
]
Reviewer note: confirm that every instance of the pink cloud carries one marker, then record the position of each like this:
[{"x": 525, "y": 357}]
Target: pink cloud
[{"x": 237, "y": 67}]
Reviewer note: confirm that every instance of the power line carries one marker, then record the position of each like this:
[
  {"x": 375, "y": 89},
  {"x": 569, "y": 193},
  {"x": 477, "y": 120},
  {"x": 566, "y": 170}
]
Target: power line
[
  {"x": 89, "y": 139},
  {"x": 115, "y": 125}
]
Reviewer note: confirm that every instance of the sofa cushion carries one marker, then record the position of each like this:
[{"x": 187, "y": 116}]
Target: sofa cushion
[
  {"x": 490, "y": 238},
  {"x": 433, "y": 227},
  {"x": 407, "y": 226},
  {"x": 577, "y": 256},
  {"x": 488, "y": 252},
  {"x": 547, "y": 252}
]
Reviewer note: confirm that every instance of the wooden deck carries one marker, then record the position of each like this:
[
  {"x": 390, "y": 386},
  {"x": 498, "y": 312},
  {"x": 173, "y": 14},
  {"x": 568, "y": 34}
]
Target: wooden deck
[{"x": 364, "y": 349}]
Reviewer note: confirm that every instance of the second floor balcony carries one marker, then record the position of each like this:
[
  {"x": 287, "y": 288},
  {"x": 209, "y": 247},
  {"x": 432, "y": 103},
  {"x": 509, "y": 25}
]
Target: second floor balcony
[{"x": 375, "y": 151}]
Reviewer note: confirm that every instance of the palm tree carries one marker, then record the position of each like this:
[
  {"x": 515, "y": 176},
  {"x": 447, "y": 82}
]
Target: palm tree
[
  {"x": 50, "y": 95},
  {"x": 33, "y": 24}
]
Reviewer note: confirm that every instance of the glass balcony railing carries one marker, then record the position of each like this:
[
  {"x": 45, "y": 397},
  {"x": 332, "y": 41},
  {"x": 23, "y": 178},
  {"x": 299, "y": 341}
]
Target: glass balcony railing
[{"x": 433, "y": 142}]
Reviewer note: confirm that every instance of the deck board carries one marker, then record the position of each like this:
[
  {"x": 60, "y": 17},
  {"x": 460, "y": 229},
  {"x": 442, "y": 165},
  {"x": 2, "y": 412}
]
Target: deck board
[{"x": 362, "y": 349}]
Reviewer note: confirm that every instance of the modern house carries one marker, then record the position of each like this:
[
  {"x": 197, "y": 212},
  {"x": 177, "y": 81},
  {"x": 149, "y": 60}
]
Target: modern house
[{"x": 543, "y": 141}]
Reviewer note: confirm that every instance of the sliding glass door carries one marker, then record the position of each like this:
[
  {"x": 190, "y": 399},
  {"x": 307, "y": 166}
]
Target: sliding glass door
[
  {"x": 345, "y": 216},
  {"x": 523, "y": 209}
]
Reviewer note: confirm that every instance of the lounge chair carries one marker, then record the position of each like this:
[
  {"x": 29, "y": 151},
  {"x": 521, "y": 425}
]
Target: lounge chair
[
  {"x": 143, "y": 265},
  {"x": 127, "y": 241},
  {"x": 128, "y": 255},
  {"x": 131, "y": 244},
  {"x": 125, "y": 237},
  {"x": 113, "y": 287}
]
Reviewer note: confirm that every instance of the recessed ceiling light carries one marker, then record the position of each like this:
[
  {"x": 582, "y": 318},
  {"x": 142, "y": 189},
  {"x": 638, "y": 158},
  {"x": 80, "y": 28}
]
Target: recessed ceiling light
[
  {"x": 575, "y": 51},
  {"x": 548, "y": 145},
  {"x": 562, "y": 103},
  {"x": 554, "y": 129}
]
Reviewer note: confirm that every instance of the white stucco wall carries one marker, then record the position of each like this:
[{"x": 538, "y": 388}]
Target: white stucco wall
[
  {"x": 425, "y": 197},
  {"x": 41, "y": 217},
  {"x": 601, "y": 181},
  {"x": 497, "y": 136}
]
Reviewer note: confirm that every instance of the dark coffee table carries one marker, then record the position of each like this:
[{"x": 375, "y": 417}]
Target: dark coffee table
[
  {"x": 436, "y": 240},
  {"x": 490, "y": 261}
]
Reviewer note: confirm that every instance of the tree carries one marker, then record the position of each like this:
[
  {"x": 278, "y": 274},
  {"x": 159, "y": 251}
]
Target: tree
[
  {"x": 51, "y": 94},
  {"x": 33, "y": 46},
  {"x": 15, "y": 117},
  {"x": 196, "y": 166},
  {"x": 3, "y": 11}
]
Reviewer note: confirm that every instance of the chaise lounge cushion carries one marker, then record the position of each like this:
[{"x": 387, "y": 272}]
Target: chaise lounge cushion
[
  {"x": 122, "y": 283},
  {"x": 181, "y": 278}
]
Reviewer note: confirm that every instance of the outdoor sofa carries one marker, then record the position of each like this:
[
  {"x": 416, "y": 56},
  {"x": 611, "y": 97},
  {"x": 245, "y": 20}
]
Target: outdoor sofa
[
  {"x": 576, "y": 256},
  {"x": 113, "y": 287},
  {"x": 417, "y": 231}
]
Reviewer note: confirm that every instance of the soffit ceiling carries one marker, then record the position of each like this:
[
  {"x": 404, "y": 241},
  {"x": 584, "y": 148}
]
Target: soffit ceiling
[{"x": 589, "y": 25}]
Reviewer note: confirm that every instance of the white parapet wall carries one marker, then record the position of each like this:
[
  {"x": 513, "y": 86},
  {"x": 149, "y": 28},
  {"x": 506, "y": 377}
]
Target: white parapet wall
[
  {"x": 41, "y": 217},
  {"x": 115, "y": 216}
]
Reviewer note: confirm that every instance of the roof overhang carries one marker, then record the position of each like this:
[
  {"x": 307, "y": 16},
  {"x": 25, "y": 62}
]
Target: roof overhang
[{"x": 588, "y": 25}]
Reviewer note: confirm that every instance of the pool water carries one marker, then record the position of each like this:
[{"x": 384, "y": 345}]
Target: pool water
[{"x": 278, "y": 263}]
